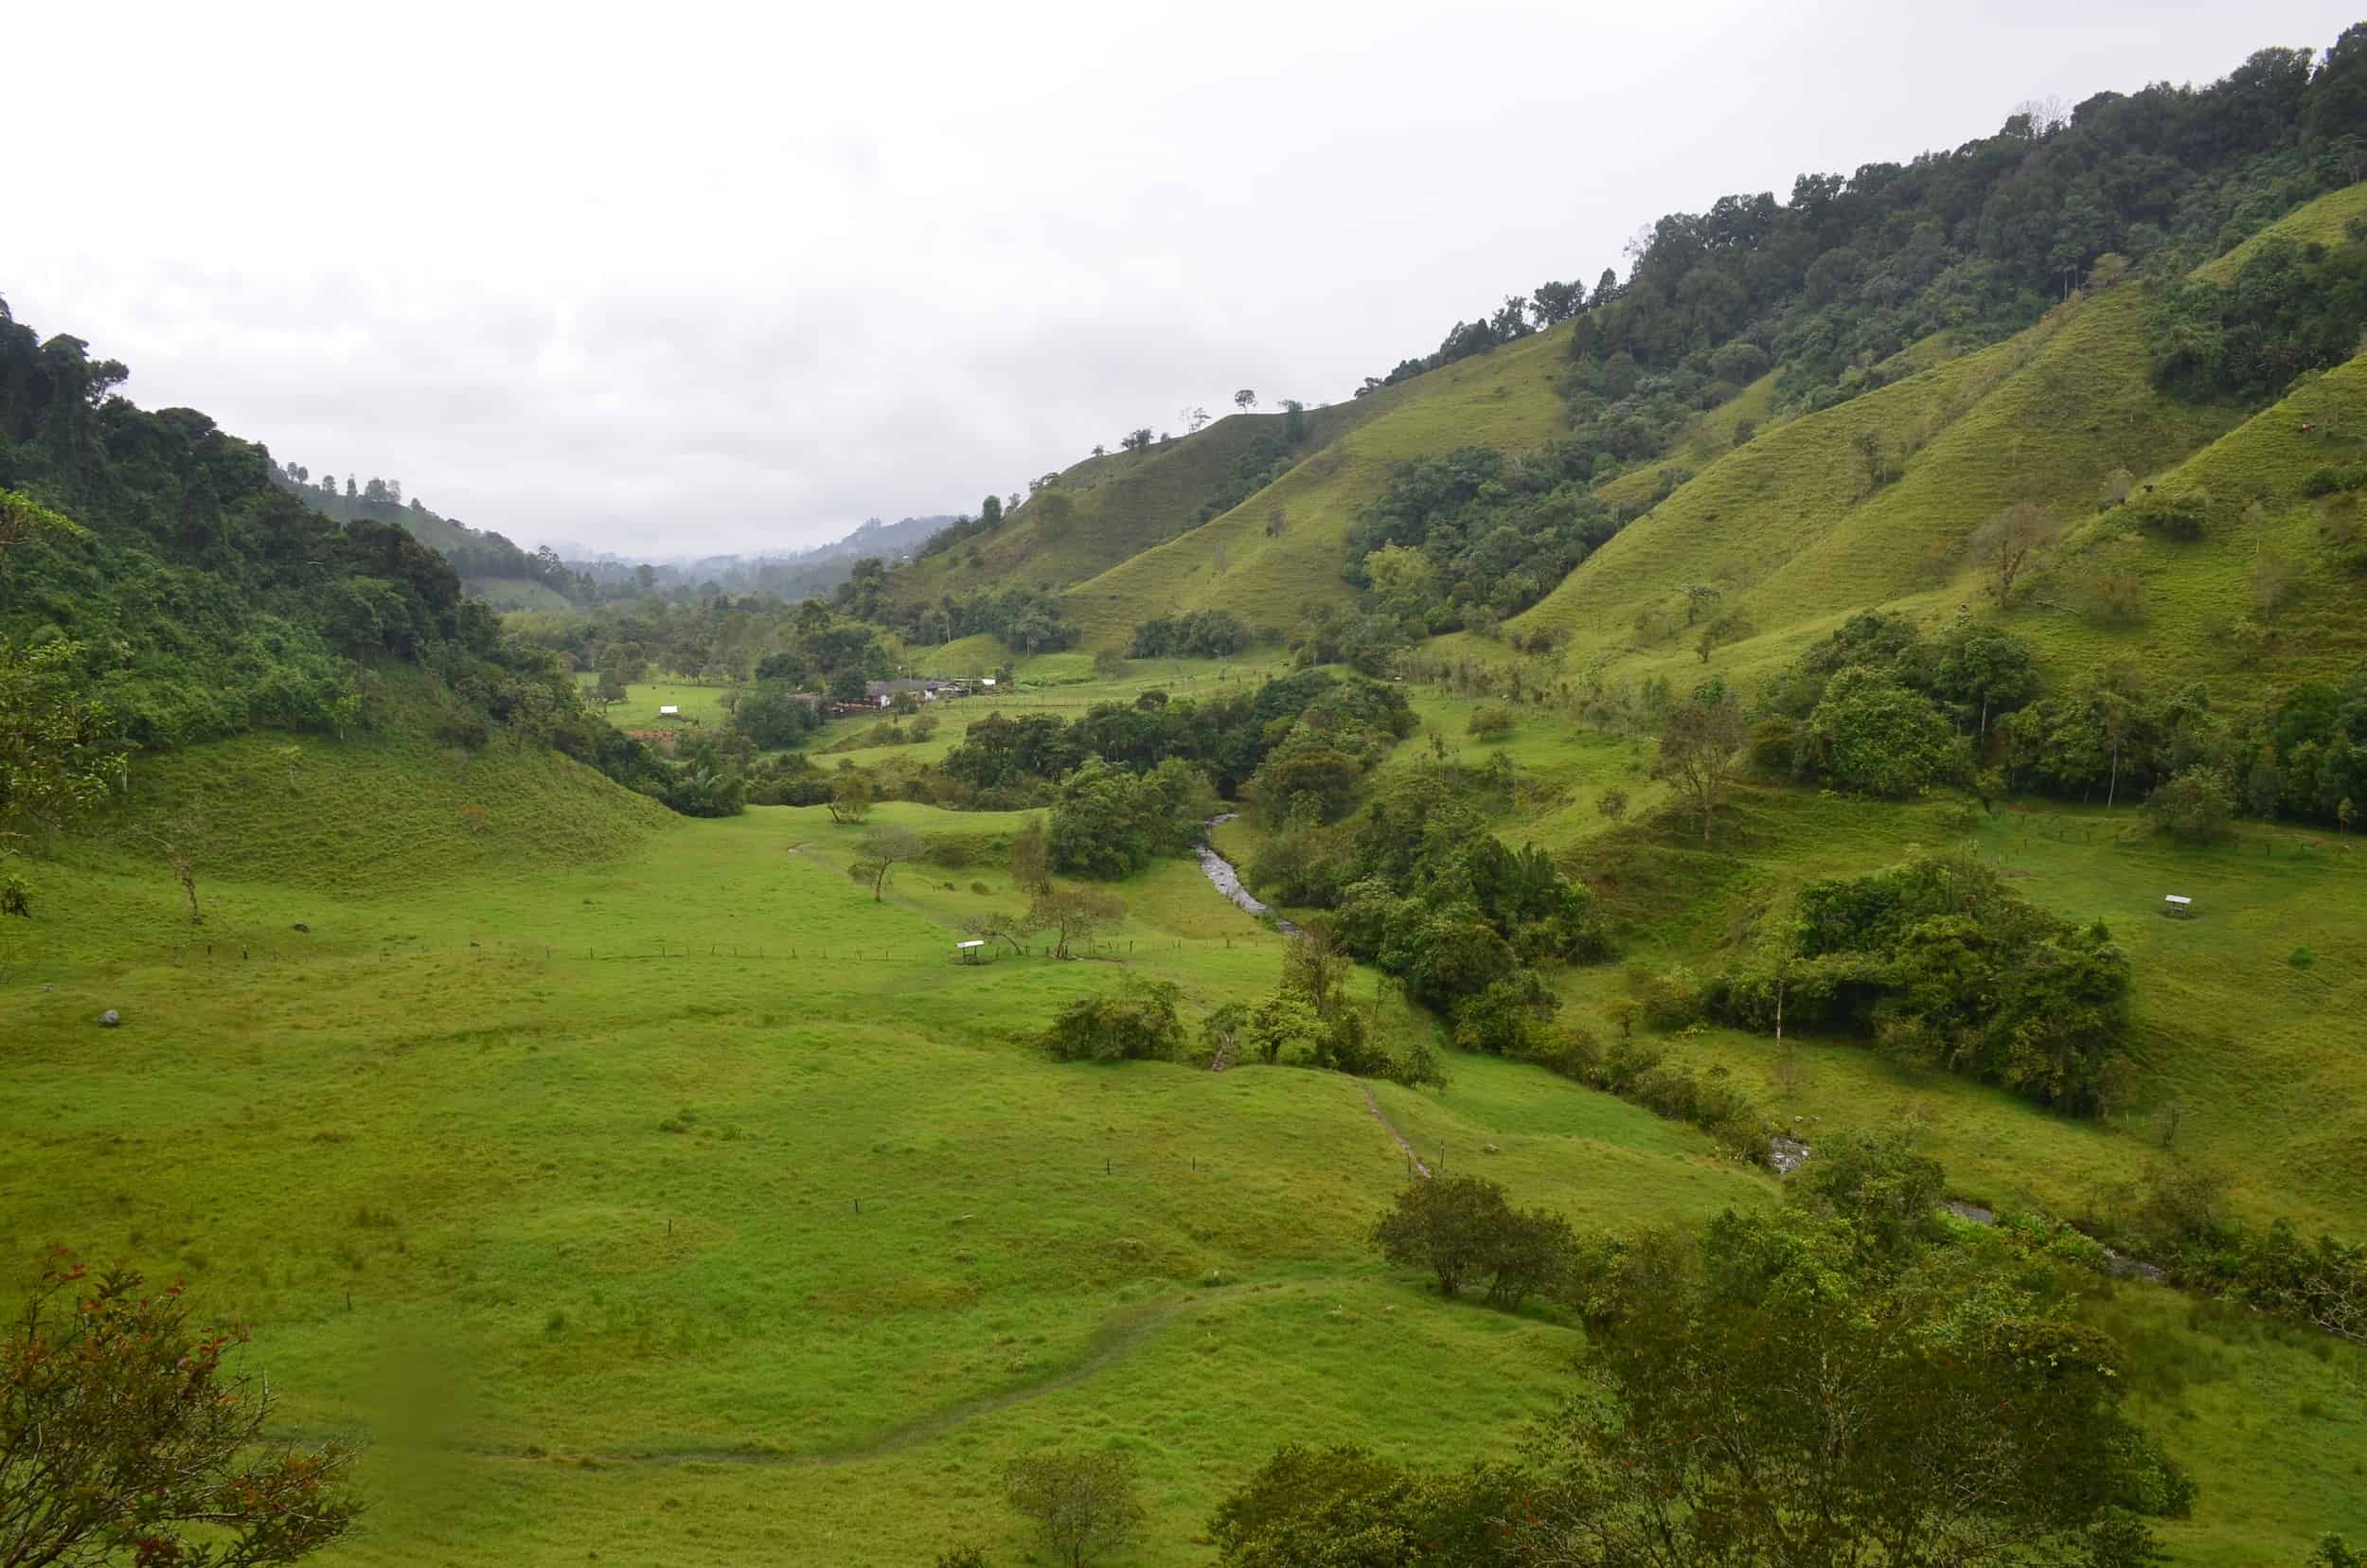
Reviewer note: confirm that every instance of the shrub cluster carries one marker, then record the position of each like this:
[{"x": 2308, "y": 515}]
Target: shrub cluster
[
  {"x": 1108, "y": 821},
  {"x": 1136, "y": 1021},
  {"x": 1468, "y": 539},
  {"x": 1879, "y": 710},
  {"x": 1461, "y": 1229},
  {"x": 2182, "y": 1222},
  {"x": 2290, "y": 308},
  {"x": 1194, "y": 634},
  {"x": 1227, "y": 737},
  {"x": 1939, "y": 961}
]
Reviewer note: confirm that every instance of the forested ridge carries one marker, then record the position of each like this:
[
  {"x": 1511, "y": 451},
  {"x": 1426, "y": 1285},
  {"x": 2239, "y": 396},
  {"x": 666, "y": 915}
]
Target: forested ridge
[{"x": 194, "y": 595}]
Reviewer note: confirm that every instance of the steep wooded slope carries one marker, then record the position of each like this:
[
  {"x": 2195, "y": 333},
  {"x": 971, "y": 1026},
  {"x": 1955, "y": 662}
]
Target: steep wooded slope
[{"x": 1280, "y": 550}]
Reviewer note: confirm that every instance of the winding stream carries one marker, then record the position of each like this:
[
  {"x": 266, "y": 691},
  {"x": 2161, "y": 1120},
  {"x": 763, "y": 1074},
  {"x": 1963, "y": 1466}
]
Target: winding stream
[{"x": 1227, "y": 881}]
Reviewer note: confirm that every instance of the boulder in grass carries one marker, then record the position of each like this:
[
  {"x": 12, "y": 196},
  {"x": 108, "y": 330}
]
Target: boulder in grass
[{"x": 110, "y": 1019}]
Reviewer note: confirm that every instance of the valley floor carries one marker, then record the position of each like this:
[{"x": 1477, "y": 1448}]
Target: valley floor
[{"x": 668, "y": 1200}]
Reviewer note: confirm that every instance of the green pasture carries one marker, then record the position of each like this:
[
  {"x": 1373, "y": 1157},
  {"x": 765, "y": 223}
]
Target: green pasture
[
  {"x": 701, "y": 706},
  {"x": 670, "y": 1197}
]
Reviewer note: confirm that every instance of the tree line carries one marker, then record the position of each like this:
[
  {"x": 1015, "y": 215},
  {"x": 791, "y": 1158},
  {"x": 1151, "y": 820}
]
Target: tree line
[{"x": 1827, "y": 286}]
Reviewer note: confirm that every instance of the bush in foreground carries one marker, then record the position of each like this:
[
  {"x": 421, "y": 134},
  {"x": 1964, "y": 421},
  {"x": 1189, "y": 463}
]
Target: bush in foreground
[{"x": 123, "y": 1437}]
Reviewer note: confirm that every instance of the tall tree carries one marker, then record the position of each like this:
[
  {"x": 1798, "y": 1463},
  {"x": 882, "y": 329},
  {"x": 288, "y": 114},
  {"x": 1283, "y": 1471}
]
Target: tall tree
[
  {"x": 1245, "y": 398},
  {"x": 883, "y": 850},
  {"x": 1770, "y": 1394},
  {"x": 1701, "y": 748}
]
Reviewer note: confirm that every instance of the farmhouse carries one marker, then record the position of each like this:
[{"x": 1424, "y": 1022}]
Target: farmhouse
[{"x": 927, "y": 688}]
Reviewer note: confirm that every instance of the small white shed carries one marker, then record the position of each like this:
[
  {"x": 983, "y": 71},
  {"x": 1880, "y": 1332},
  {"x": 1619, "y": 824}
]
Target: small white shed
[{"x": 670, "y": 711}]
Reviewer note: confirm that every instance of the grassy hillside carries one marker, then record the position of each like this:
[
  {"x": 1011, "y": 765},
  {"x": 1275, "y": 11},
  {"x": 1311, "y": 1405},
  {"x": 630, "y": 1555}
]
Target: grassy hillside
[
  {"x": 1237, "y": 562},
  {"x": 1793, "y": 532},
  {"x": 1114, "y": 506},
  {"x": 2205, "y": 613},
  {"x": 662, "y": 1195},
  {"x": 740, "y": 1192}
]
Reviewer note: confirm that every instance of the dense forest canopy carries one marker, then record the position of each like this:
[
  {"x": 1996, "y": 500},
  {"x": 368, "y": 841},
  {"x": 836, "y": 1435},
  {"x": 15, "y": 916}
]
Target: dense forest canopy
[
  {"x": 201, "y": 596},
  {"x": 1977, "y": 240}
]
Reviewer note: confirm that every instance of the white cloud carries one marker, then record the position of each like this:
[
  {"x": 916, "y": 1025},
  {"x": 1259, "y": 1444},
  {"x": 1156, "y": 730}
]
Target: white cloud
[{"x": 714, "y": 278}]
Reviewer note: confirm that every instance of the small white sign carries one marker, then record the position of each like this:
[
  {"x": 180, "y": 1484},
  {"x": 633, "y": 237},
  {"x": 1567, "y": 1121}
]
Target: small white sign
[
  {"x": 2176, "y": 899},
  {"x": 966, "y": 946}
]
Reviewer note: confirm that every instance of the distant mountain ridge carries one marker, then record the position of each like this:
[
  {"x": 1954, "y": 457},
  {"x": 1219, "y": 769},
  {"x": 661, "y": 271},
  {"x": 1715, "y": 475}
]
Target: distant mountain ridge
[{"x": 510, "y": 576}]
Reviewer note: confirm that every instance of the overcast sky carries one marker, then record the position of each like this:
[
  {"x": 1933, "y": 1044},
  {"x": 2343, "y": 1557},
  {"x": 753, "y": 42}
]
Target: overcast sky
[{"x": 666, "y": 279}]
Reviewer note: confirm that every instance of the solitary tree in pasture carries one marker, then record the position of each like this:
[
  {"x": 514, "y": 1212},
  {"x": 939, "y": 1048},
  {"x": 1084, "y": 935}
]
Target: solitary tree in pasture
[
  {"x": 883, "y": 850},
  {"x": 1073, "y": 914},
  {"x": 2006, "y": 545},
  {"x": 1000, "y": 927},
  {"x": 851, "y": 800},
  {"x": 126, "y": 1436},
  {"x": 1083, "y": 1504},
  {"x": 1873, "y": 456},
  {"x": 346, "y": 711},
  {"x": 178, "y": 840},
  {"x": 1701, "y": 748},
  {"x": 1730, "y": 627},
  {"x": 1031, "y": 857}
]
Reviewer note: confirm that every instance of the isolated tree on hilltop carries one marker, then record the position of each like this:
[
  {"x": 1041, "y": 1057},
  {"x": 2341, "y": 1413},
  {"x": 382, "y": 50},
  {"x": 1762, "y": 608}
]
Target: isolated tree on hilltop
[
  {"x": 1553, "y": 303},
  {"x": 2006, "y": 546},
  {"x": 1245, "y": 398}
]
